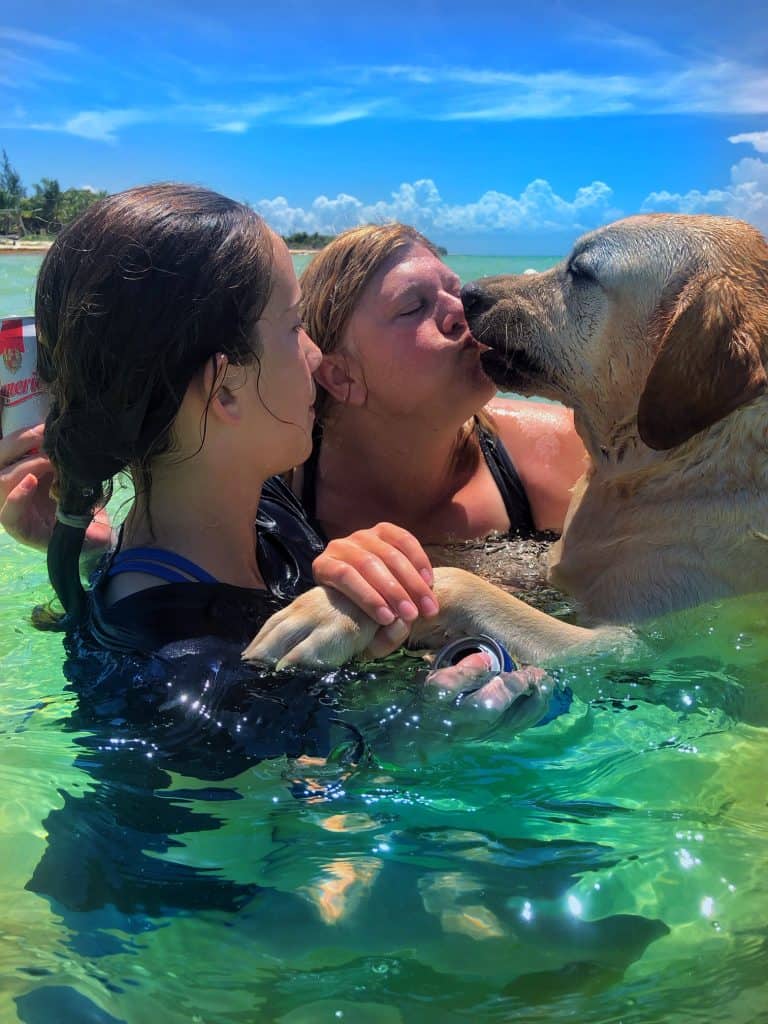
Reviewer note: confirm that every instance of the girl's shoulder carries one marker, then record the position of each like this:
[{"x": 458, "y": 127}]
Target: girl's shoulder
[{"x": 149, "y": 619}]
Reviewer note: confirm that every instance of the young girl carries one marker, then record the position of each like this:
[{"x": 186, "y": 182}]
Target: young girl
[
  {"x": 171, "y": 342},
  {"x": 170, "y": 337}
]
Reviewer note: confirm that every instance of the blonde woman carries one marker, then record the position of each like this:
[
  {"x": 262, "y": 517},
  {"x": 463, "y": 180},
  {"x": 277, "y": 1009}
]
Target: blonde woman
[{"x": 410, "y": 430}]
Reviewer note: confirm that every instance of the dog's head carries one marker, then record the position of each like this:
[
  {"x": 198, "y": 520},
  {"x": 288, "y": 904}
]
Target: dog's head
[{"x": 659, "y": 321}]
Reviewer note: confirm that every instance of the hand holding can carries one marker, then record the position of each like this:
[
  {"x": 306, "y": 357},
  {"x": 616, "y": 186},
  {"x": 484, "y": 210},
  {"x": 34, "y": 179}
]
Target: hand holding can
[{"x": 23, "y": 397}]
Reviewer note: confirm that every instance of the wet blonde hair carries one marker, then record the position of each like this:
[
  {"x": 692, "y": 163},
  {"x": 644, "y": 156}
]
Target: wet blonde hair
[{"x": 336, "y": 278}]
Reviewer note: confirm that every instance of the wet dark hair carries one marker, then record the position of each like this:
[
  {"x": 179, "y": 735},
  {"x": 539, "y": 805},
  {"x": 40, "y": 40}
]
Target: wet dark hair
[{"x": 132, "y": 299}]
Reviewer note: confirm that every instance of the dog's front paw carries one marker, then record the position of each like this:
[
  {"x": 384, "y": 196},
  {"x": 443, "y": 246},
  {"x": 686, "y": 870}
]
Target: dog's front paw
[{"x": 321, "y": 628}]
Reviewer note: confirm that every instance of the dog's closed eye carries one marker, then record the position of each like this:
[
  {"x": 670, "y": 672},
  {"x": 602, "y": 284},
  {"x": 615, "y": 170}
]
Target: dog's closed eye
[{"x": 581, "y": 269}]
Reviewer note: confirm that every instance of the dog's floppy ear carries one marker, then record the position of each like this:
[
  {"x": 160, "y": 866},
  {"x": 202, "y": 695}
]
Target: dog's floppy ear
[{"x": 707, "y": 365}]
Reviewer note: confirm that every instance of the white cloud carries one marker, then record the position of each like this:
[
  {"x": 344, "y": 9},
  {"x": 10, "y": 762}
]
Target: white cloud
[
  {"x": 693, "y": 201},
  {"x": 34, "y": 40},
  {"x": 750, "y": 171},
  {"x": 538, "y": 207},
  {"x": 757, "y": 139},
  {"x": 487, "y": 94},
  {"x": 747, "y": 202},
  {"x": 354, "y": 112},
  {"x": 25, "y": 69},
  {"x": 231, "y": 127},
  {"x": 225, "y": 112},
  {"x": 746, "y": 196},
  {"x": 328, "y": 216},
  {"x": 23, "y": 73},
  {"x": 324, "y": 97},
  {"x": 101, "y": 125},
  {"x": 712, "y": 86},
  {"x": 600, "y": 33}
]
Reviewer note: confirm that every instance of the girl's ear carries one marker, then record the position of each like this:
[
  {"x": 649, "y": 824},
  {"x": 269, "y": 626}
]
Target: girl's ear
[
  {"x": 217, "y": 386},
  {"x": 341, "y": 376}
]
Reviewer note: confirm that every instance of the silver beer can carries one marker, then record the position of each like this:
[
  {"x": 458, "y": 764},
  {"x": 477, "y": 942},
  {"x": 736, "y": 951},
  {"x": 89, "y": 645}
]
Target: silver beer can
[{"x": 23, "y": 397}]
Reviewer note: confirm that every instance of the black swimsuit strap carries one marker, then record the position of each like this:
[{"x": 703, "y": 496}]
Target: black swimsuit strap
[
  {"x": 496, "y": 457},
  {"x": 309, "y": 482},
  {"x": 508, "y": 481},
  {"x": 309, "y": 470}
]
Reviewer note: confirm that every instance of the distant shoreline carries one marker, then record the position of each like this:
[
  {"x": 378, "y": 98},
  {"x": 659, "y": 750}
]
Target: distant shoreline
[{"x": 23, "y": 247}]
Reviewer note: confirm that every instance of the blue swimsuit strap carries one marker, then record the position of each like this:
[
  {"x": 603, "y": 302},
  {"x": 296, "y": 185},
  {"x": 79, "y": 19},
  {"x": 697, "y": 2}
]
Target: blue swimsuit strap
[{"x": 166, "y": 565}]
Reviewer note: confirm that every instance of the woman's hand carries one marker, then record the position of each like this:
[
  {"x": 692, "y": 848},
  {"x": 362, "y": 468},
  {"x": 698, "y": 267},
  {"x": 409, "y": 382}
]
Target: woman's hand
[
  {"x": 372, "y": 586},
  {"x": 27, "y": 511},
  {"x": 524, "y": 693},
  {"x": 383, "y": 570}
]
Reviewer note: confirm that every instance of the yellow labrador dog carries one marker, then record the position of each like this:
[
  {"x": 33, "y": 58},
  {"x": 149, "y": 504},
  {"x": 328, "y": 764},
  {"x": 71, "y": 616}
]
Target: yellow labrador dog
[{"x": 655, "y": 331}]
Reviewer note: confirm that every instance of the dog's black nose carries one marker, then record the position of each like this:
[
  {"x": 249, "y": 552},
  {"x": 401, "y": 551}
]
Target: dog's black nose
[{"x": 475, "y": 299}]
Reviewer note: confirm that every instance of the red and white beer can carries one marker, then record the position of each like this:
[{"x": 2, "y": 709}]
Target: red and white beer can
[{"x": 23, "y": 398}]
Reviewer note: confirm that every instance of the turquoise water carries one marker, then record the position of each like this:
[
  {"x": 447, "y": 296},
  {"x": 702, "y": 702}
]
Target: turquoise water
[
  {"x": 607, "y": 867},
  {"x": 17, "y": 284},
  {"x": 18, "y": 274}
]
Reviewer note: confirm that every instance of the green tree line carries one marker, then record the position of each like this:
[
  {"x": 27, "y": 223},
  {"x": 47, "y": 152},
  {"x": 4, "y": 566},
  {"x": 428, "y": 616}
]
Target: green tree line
[
  {"x": 42, "y": 211},
  {"x": 303, "y": 240}
]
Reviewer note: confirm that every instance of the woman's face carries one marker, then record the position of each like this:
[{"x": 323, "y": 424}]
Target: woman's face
[
  {"x": 284, "y": 390},
  {"x": 409, "y": 335}
]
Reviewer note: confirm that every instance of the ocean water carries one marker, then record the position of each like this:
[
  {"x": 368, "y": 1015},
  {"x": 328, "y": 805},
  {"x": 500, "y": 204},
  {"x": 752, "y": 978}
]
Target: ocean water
[
  {"x": 607, "y": 867},
  {"x": 18, "y": 274}
]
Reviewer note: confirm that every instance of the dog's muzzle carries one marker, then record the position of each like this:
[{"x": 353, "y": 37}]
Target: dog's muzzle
[{"x": 476, "y": 301}]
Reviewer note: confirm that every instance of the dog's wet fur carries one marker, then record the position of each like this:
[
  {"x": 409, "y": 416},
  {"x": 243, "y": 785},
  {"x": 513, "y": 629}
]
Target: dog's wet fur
[{"x": 654, "y": 330}]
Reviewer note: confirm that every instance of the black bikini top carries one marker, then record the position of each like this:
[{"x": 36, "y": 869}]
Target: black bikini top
[
  {"x": 497, "y": 459},
  {"x": 508, "y": 481}
]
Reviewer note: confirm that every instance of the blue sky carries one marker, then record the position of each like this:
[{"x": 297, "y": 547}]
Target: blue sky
[{"x": 495, "y": 127}]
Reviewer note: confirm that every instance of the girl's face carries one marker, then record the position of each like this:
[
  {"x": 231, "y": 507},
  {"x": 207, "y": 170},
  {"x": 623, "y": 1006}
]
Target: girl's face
[
  {"x": 282, "y": 412},
  {"x": 410, "y": 337}
]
